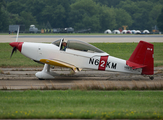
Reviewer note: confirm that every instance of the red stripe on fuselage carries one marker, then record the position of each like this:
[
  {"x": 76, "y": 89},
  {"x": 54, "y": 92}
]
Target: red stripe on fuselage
[{"x": 103, "y": 62}]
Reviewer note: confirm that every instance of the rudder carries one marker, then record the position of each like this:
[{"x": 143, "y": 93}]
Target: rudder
[{"x": 144, "y": 55}]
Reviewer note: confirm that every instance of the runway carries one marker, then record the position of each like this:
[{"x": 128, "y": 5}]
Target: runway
[
  {"x": 90, "y": 36},
  {"x": 85, "y": 38}
]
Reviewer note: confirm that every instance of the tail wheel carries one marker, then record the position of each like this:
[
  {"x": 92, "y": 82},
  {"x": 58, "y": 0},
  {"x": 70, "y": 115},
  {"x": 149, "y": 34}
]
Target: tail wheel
[{"x": 151, "y": 77}]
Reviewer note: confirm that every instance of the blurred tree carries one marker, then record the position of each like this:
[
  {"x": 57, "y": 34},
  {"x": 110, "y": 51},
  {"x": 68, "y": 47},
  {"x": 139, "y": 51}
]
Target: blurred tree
[
  {"x": 4, "y": 17},
  {"x": 35, "y": 7},
  {"x": 98, "y": 15},
  {"x": 1, "y": 27},
  {"x": 85, "y": 14},
  {"x": 56, "y": 12},
  {"x": 47, "y": 14},
  {"x": 109, "y": 3},
  {"x": 16, "y": 7},
  {"x": 160, "y": 21},
  {"x": 15, "y": 19},
  {"x": 154, "y": 13},
  {"x": 107, "y": 18},
  {"x": 48, "y": 25},
  {"x": 59, "y": 17},
  {"x": 27, "y": 19},
  {"x": 139, "y": 12},
  {"x": 122, "y": 18}
]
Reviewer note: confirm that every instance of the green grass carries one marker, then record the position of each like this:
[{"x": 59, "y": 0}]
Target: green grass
[
  {"x": 81, "y": 104},
  {"x": 120, "y": 50}
]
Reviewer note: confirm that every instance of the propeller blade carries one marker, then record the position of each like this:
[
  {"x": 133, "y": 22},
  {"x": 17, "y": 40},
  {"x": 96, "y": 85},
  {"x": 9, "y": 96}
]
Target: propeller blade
[
  {"x": 15, "y": 45},
  {"x": 13, "y": 50},
  {"x": 17, "y": 35}
]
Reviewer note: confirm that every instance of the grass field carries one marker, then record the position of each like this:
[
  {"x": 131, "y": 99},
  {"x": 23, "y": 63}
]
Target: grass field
[
  {"x": 120, "y": 50},
  {"x": 81, "y": 104}
]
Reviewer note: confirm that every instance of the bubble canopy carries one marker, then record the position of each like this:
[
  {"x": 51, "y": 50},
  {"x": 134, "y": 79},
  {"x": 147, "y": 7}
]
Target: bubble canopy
[{"x": 79, "y": 45}]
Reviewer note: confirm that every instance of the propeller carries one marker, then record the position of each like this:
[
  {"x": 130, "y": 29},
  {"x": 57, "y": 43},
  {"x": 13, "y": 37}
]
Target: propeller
[
  {"x": 13, "y": 50},
  {"x": 16, "y": 45}
]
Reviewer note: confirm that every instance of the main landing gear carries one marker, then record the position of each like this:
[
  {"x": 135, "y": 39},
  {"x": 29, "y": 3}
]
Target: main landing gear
[{"x": 45, "y": 73}]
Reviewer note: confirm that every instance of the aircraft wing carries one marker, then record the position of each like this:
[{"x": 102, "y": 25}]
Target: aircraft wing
[
  {"x": 60, "y": 64},
  {"x": 134, "y": 65}
]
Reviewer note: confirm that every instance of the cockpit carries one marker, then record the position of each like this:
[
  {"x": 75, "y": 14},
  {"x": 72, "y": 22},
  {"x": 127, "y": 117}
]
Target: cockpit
[{"x": 78, "y": 45}]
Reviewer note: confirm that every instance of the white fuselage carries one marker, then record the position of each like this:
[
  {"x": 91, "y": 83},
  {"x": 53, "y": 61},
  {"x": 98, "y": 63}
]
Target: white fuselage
[{"x": 80, "y": 59}]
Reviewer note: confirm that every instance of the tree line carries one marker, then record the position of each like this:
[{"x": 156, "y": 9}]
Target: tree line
[{"x": 98, "y": 15}]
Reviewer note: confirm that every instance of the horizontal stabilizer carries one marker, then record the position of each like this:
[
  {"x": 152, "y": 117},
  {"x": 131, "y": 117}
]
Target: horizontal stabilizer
[
  {"x": 134, "y": 65},
  {"x": 59, "y": 63}
]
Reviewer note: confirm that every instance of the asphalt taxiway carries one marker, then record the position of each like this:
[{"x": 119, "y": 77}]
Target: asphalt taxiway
[{"x": 85, "y": 38}]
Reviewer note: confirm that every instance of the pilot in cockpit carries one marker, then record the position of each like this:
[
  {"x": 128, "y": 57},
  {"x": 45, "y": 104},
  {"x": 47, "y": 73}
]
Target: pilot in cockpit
[{"x": 64, "y": 46}]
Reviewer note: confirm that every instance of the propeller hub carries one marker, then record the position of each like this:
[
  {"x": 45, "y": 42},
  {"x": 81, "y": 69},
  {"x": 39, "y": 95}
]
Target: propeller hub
[{"x": 18, "y": 45}]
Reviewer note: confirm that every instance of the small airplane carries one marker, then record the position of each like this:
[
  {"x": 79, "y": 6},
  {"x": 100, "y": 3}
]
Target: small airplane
[{"x": 79, "y": 55}]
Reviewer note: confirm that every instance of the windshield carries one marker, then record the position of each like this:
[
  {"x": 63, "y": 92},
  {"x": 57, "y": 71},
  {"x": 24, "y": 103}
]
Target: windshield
[
  {"x": 57, "y": 42},
  {"x": 82, "y": 46}
]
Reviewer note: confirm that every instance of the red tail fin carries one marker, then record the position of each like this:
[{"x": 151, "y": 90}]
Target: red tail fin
[{"x": 143, "y": 56}]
